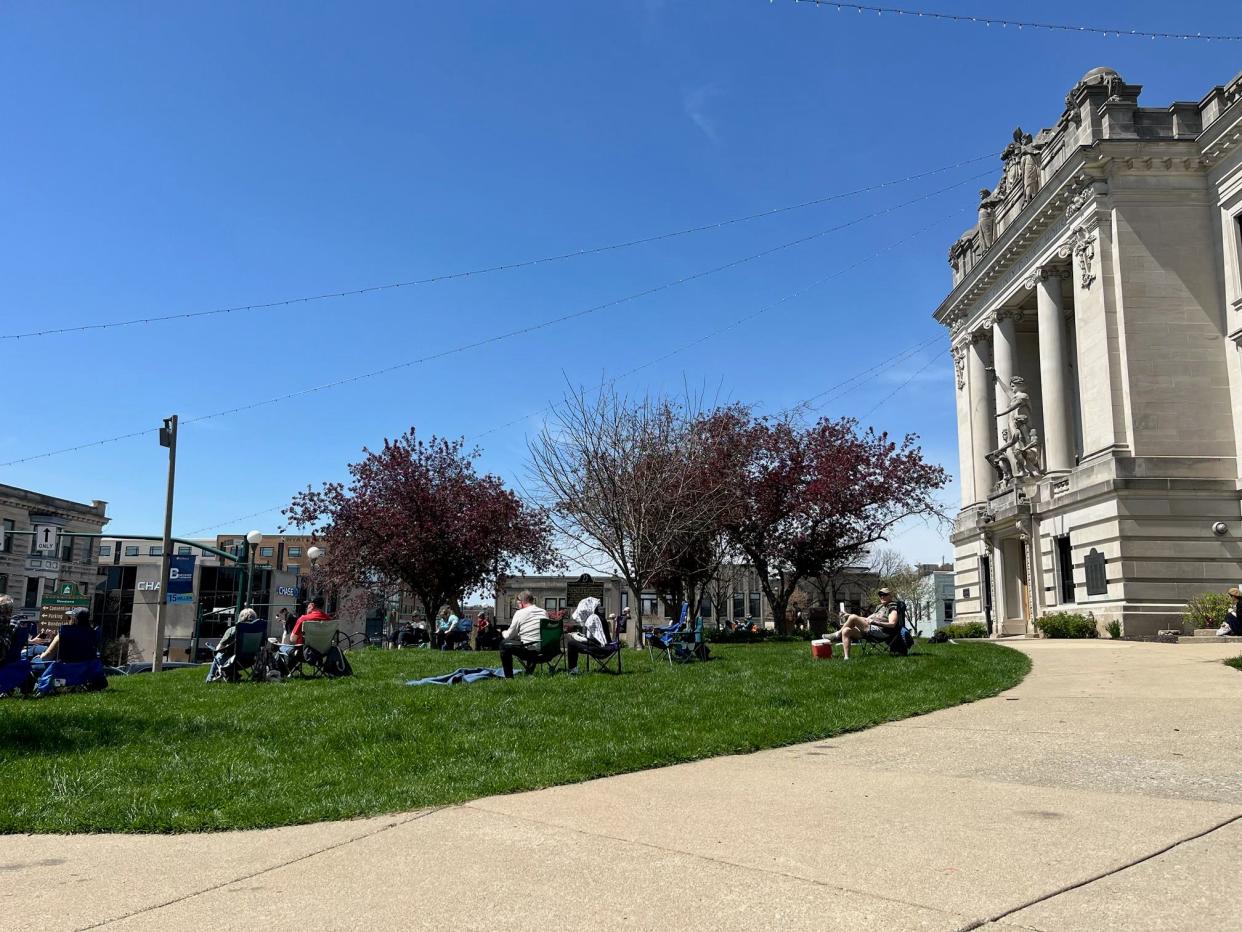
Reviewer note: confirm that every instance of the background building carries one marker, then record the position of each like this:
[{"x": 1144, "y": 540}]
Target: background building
[
  {"x": 1096, "y": 319},
  {"x": 28, "y": 574}
]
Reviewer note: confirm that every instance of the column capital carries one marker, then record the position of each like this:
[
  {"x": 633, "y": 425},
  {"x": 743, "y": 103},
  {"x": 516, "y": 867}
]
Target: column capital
[
  {"x": 1043, "y": 273},
  {"x": 1006, "y": 313},
  {"x": 959, "y": 364}
]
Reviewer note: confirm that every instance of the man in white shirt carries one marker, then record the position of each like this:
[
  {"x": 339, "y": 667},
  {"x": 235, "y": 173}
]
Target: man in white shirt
[{"x": 522, "y": 636}]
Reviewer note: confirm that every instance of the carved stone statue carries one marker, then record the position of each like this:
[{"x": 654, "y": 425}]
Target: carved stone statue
[
  {"x": 1020, "y": 454},
  {"x": 987, "y": 220},
  {"x": 1030, "y": 167}
]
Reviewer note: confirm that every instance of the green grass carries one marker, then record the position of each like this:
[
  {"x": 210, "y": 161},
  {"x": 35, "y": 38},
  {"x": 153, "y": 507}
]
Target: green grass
[
  {"x": 172, "y": 754},
  {"x": 1236, "y": 663}
]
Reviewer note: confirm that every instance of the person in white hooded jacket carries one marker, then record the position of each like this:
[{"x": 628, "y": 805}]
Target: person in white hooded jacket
[{"x": 588, "y": 633}]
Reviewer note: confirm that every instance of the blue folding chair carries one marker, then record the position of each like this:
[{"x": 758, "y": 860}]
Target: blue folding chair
[
  {"x": 16, "y": 673},
  {"x": 77, "y": 665}
]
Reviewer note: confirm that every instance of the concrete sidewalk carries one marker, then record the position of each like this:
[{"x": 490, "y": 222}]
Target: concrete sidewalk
[{"x": 1105, "y": 792}]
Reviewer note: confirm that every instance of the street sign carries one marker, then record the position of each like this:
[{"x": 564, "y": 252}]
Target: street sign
[
  {"x": 45, "y": 538},
  {"x": 64, "y": 598}
]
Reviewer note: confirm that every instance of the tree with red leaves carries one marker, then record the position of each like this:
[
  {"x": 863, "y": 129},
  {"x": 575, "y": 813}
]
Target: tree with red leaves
[
  {"x": 816, "y": 497},
  {"x": 417, "y": 514}
]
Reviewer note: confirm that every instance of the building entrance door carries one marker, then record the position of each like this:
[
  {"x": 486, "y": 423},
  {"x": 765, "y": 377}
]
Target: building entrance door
[
  {"x": 986, "y": 593},
  {"x": 1024, "y": 574}
]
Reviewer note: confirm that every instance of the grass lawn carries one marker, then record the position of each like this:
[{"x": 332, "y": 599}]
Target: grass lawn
[
  {"x": 171, "y": 753},
  {"x": 1236, "y": 663}
]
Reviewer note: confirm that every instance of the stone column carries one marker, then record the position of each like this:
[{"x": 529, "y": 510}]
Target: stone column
[
  {"x": 982, "y": 424},
  {"x": 1053, "y": 370},
  {"x": 1004, "y": 352}
]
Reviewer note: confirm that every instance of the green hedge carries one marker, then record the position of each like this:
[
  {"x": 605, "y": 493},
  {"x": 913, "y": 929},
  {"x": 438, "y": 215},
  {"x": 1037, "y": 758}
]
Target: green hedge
[
  {"x": 1066, "y": 625},
  {"x": 965, "y": 629}
]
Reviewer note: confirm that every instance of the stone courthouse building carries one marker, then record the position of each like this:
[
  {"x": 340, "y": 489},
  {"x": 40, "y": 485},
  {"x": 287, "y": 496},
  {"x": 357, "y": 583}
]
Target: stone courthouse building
[{"x": 1096, "y": 321}]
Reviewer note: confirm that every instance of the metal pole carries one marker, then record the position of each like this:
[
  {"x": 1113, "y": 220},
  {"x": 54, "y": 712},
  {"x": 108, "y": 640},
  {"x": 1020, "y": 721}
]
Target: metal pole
[
  {"x": 243, "y": 566},
  {"x": 168, "y": 438}
]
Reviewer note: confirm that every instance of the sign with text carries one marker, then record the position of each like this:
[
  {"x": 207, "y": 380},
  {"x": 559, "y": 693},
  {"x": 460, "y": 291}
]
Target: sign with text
[
  {"x": 180, "y": 579},
  {"x": 45, "y": 537}
]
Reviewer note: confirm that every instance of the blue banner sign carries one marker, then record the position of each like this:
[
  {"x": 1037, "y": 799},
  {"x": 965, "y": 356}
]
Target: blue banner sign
[{"x": 180, "y": 579}]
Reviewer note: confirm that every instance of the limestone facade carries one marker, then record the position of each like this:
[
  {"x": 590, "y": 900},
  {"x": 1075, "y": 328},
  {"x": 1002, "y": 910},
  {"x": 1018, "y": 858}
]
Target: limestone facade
[{"x": 1105, "y": 275}]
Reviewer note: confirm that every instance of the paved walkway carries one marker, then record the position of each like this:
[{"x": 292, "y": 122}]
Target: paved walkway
[{"x": 1105, "y": 792}]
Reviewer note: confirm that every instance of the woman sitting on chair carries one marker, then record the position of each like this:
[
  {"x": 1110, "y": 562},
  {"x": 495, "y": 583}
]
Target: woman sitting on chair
[{"x": 880, "y": 625}]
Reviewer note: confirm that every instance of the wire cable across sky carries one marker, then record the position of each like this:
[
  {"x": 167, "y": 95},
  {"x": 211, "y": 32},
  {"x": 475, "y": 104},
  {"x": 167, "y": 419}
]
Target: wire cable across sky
[
  {"x": 519, "y": 331},
  {"x": 504, "y": 267},
  {"x": 844, "y": 387},
  {"x": 1019, "y": 23}
]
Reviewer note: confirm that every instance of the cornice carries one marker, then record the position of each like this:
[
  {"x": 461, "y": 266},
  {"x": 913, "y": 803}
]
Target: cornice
[{"x": 1046, "y": 212}]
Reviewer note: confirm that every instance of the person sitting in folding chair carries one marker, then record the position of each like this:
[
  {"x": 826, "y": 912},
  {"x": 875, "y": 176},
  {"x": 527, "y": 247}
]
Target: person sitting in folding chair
[
  {"x": 881, "y": 626},
  {"x": 243, "y": 647},
  {"x": 74, "y": 656},
  {"x": 521, "y": 638},
  {"x": 16, "y": 673},
  {"x": 590, "y": 637}
]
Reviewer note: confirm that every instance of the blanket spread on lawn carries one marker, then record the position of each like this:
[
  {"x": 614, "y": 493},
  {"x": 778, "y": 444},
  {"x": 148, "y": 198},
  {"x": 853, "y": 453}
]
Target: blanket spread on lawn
[{"x": 464, "y": 675}]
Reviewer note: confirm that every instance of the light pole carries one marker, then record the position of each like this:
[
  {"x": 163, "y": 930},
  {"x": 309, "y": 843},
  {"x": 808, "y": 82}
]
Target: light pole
[
  {"x": 253, "y": 539},
  {"x": 314, "y": 553},
  {"x": 168, "y": 438}
]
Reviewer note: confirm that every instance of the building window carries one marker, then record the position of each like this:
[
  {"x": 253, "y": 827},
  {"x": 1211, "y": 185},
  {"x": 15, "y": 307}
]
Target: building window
[
  {"x": 184, "y": 551},
  {"x": 948, "y": 610},
  {"x": 266, "y": 551},
  {"x": 131, "y": 551},
  {"x": 4, "y": 583},
  {"x": 292, "y": 567},
  {"x": 651, "y": 604},
  {"x": 6, "y": 546},
  {"x": 105, "y": 550},
  {"x": 295, "y": 551},
  {"x": 88, "y": 544},
  {"x": 755, "y": 610},
  {"x": 1065, "y": 567},
  {"x": 739, "y": 605},
  {"x": 66, "y": 549},
  {"x": 155, "y": 551},
  {"x": 553, "y": 605}
]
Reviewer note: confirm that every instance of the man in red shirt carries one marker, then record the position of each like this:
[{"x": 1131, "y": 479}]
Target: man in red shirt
[{"x": 315, "y": 614}]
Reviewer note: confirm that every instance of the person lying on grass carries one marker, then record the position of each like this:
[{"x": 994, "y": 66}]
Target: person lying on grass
[{"x": 881, "y": 624}]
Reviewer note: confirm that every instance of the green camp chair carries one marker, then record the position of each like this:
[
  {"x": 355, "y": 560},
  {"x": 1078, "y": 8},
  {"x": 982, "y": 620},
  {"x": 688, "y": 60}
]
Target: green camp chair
[{"x": 551, "y": 650}]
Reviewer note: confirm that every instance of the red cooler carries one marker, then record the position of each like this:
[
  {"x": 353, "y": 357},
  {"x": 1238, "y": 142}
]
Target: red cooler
[{"x": 822, "y": 649}]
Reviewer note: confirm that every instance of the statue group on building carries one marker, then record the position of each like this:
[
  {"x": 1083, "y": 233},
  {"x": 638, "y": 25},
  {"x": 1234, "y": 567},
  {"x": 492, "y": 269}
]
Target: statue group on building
[{"x": 1020, "y": 454}]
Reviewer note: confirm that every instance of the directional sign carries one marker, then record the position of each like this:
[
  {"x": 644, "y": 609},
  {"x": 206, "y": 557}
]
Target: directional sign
[{"x": 45, "y": 538}]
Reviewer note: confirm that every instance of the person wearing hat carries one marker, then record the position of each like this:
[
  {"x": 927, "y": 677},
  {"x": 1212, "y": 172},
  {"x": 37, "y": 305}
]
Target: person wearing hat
[
  {"x": 882, "y": 623},
  {"x": 81, "y": 618},
  {"x": 1233, "y": 624}
]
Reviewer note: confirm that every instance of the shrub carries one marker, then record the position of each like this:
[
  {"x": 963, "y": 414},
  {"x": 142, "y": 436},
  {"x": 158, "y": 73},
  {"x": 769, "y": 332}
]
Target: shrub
[
  {"x": 1114, "y": 629},
  {"x": 964, "y": 629},
  {"x": 1207, "y": 610},
  {"x": 1066, "y": 625}
]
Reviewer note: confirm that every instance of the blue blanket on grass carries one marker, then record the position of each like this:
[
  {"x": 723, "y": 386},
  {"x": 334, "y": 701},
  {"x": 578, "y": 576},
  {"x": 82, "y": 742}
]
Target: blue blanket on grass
[{"x": 464, "y": 675}]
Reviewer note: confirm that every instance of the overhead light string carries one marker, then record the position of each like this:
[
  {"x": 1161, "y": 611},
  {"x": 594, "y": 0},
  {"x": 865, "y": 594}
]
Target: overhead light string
[{"x": 1019, "y": 23}]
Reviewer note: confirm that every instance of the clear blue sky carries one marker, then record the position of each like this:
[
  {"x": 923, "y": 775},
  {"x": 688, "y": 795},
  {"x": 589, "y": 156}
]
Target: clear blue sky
[{"x": 176, "y": 157}]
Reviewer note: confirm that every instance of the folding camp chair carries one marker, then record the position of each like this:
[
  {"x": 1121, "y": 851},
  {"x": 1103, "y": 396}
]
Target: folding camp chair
[
  {"x": 551, "y": 649},
  {"x": 319, "y": 654},
  {"x": 77, "y": 665},
  {"x": 250, "y": 652},
  {"x": 16, "y": 673},
  {"x": 606, "y": 657}
]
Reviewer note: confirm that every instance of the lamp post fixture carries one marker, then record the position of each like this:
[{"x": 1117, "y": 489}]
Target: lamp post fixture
[
  {"x": 314, "y": 553},
  {"x": 253, "y": 539}
]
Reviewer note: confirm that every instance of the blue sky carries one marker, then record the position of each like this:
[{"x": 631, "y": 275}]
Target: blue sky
[{"x": 163, "y": 158}]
